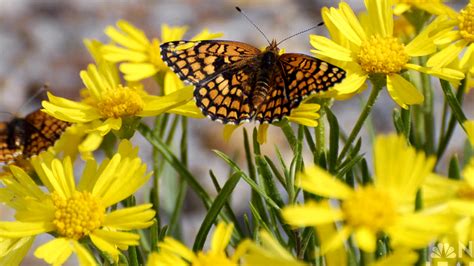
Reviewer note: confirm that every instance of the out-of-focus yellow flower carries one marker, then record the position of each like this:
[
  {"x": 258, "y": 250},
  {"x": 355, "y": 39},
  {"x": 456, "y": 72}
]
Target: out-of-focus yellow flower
[
  {"x": 399, "y": 257},
  {"x": 435, "y": 7},
  {"x": 385, "y": 206},
  {"x": 140, "y": 56},
  {"x": 268, "y": 252},
  {"x": 372, "y": 49},
  {"x": 458, "y": 35},
  {"x": 174, "y": 253},
  {"x": 306, "y": 114},
  {"x": 101, "y": 186}
]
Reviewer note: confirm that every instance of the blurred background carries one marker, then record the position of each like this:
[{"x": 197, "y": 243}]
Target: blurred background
[{"x": 41, "y": 42}]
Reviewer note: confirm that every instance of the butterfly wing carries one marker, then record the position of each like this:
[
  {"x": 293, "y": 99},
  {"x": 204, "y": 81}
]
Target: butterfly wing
[
  {"x": 222, "y": 73},
  {"x": 42, "y": 131},
  {"x": 305, "y": 75},
  {"x": 7, "y": 155},
  {"x": 200, "y": 61}
]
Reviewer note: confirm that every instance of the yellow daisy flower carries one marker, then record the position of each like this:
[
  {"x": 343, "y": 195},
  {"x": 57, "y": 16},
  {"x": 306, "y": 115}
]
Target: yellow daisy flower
[
  {"x": 108, "y": 103},
  {"x": 73, "y": 213},
  {"x": 385, "y": 206},
  {"x": 174, "y": 253},
  {"x": 370, "y": 51},
  {"x": 435, "y": 7},
  {"x": 306, "y": 114},
  {"x": 457, "y": 39},
  {"x": 140, "y": 56}
]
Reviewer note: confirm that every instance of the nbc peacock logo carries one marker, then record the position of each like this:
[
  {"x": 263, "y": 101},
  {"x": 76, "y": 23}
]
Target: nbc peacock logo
[{"x": 442, "y": 254}]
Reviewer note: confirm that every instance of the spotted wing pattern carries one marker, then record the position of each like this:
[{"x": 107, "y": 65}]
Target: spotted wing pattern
[
  {"x": 200, "y": 61},
  {"x": 305, "y": 75},
  {"x": 25, "y": 137}
]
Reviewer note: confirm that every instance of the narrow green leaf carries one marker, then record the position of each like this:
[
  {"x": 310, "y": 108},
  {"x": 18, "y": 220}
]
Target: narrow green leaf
[
  {"x": 453, "y": 101},
  {"x": 275, "y": 171},
  {"x": 268, "y": 180},
  {"x": 214, "y": 210},
  {"x": 249, "y": 181},
  {"x": 333, "y": 140},
  {"x": 175, "y": 163}
]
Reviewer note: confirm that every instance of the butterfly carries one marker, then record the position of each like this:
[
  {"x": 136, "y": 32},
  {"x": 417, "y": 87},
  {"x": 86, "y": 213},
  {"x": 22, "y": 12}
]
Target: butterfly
[
  {"x": 236, "y": 82},
  {"x": 22, "y": 138}
]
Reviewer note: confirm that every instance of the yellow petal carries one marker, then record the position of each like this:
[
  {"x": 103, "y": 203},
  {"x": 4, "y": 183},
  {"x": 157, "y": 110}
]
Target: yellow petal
[
  {"x": 124, "y": 39},
  {"x": 366, "y": 239},
  {"x": 165, "y": 103},
  {"x": 84, "y": 256},
  {"x": 319, "y": 182},
  {"x": 56, "y": 251},
  {"x": 116, "y": 54},
  {"x": 13, "y": 251},
  {"x": 262, "y": 133},
  {"x": 221, "y": 237},
  {"x": 468, "y": 57},
  {"x": 133, "y": 32},
  {"x": 327, "y": 47},
  {"x": 380, "y": 16},
  {"x": 229, "y": 130},
  {"x": 402, "y": 91},
  {"x": 452, "y": 75},
  {"x": 206, "y": 35},
  {"x": 346, "y": 22},
  {"x": 108, "y": 240},
  {"x": 399, "y": 257},
  {"x": 310, "y": 214},
  {"x": 336, "y": 240},
  {"x": 447, "y": 55},
  {"x": 138, "y": 71},
  {"x": 171, "y": 245},
  {"x": 136, "y": 217}
]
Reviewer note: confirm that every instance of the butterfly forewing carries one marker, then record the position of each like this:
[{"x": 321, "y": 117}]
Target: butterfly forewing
[
  {"x": 199, "y": 61},
  {"x": 306, "y": 75}
]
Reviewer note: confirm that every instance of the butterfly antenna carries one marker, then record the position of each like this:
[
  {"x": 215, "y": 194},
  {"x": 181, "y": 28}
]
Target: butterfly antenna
[
  {"x": 34, "y": 96},
  {"x": 298, "y": 33},
  {"x": 251, "y": 22}
]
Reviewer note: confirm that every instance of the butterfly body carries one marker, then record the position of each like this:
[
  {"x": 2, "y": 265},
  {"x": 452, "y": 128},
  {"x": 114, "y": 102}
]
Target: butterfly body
[
  {"x": 236, "y": 82},
  {"x": 22, "y": 138}
]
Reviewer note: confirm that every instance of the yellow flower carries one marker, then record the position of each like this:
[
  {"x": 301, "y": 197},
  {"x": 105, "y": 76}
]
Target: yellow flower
[
  {"x": 174, "y": 253},
  {"x": 73, "y": 213},
  {"x": 108, "y": 103},
  {"x": 141, "y": 57},
  {"x": 306, "y": 114},
  {"x": 456, "y": 39},
  {"x": 372, "y": 50},
  {"x": 435, "y": 7},
  {"x": 385, "y": 206}
]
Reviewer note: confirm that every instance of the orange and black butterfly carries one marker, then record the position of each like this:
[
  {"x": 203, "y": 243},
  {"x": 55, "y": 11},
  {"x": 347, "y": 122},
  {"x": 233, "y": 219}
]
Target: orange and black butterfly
[
  {"x": 22, "y": 138},
  {"x": 236, "y": 82}
]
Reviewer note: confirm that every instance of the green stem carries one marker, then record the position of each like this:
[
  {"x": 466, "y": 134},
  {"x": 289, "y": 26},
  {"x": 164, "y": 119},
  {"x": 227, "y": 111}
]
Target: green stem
[
  {"x": 377, "y": 87},
  {"x": 428, "y": 115}
]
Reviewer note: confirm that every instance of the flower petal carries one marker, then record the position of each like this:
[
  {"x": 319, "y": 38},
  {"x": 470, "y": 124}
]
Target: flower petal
[
  {"x": 136, "y": 217},
  {"x": 366, "y": 239},
  {"x": 221, "y": 237},
  {"x": 403, "y": 92},
  {"x": 317, "y": 181},
  {"x": 311, "y": 214},
  {"x": 447, "y": 55},
  {"x": 13, "y": 251},
  {"x": 327, "y": 47},
  {"x": 56, "y": 251}
]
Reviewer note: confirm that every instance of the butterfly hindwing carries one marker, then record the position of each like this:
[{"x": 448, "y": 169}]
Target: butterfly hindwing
[
  {"x": 198, "y": 61},
  {"x": 226, "y": 97},
  {"x": 276, "y": 104},
  {"x": 306, "y": 75}
]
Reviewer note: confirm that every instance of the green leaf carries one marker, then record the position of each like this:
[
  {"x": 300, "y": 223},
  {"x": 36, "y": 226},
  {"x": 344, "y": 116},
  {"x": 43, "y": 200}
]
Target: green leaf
[
  {"x": 249, "y": 181},
  {"x": 268, "y": 180},
  {"x": 163, "y": 149},
  {"x": 453, "y": 102},
  {"x": 333, "y": 140},
  {"x": 214, "y": 210}
]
